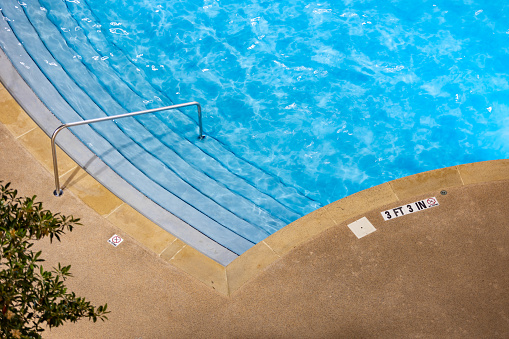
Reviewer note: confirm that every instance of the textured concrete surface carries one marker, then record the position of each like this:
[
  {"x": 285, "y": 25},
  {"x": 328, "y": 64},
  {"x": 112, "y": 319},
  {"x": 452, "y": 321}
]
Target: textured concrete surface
[{"x": 441, "y": 272}]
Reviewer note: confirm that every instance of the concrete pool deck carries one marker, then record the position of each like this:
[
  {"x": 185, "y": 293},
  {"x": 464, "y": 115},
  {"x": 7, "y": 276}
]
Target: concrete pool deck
[{"x": 437, "y": 273}]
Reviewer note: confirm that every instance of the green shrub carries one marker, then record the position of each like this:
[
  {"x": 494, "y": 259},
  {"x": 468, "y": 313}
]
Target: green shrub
[{"x": 31, "y": 298}]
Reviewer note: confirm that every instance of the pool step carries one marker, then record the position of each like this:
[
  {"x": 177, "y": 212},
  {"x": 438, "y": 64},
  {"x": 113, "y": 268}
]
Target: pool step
[{"x": 170, "y": 179}]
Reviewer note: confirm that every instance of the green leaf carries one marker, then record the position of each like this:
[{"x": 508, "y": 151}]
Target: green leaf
[{"x": 37, "y": 298}]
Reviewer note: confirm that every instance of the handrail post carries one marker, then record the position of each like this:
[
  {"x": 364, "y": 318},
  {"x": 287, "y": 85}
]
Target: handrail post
[
  {"x": 58, "y": 191},
  {"x": 201, "y": 136}
]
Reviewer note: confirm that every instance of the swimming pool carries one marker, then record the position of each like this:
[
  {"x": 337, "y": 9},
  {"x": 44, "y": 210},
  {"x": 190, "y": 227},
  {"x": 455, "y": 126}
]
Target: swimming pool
[
  {"x": 332, "y": 97},
  {"x": 304, "y": 102}
]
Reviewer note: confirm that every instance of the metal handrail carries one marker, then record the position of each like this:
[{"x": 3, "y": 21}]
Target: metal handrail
[{"x": 58, "y": 192}]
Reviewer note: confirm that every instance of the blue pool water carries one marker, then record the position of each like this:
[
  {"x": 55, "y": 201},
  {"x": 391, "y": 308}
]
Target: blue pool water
[
  {"x": 332, "y": 97},
  {"x": 304, "y": 102}
]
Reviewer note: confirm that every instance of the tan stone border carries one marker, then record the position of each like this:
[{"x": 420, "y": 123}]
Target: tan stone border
[{"x": 228, "y": 279}]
